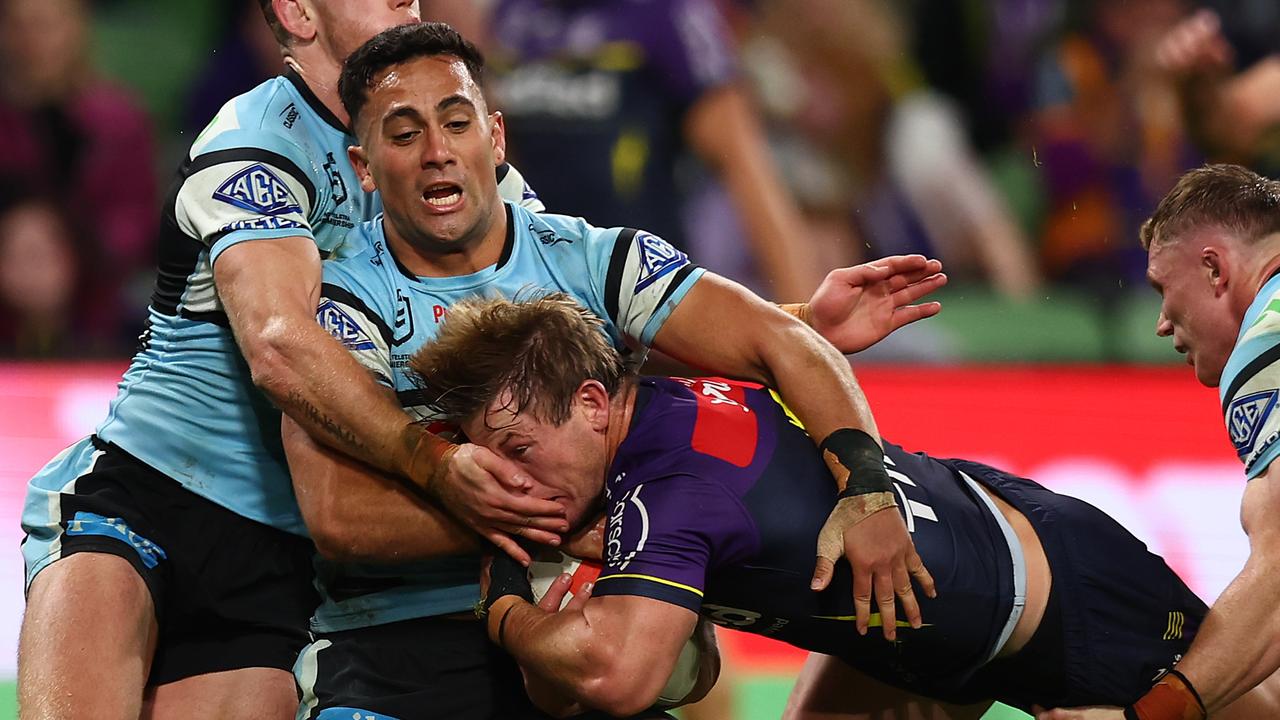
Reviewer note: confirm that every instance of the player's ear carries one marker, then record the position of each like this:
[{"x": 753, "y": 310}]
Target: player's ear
[
  {"x": 498, "y": 136},
  {"x": 1217, "y": 270},
  {"x": 298, "y": 17},
  {"x": 595, "y": 403},
  {"x": 360, "y": 162}
]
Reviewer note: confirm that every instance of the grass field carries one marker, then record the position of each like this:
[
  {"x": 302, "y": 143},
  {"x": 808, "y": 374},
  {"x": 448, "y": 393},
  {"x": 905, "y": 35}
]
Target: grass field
[{"x": 761, "y": 697}]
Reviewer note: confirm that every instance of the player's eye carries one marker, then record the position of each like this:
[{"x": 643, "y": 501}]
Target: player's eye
[
  {"x": 520, "y": 450},
  {"x": 457, "y": 125},
  {"x": 404, "y": 137}
]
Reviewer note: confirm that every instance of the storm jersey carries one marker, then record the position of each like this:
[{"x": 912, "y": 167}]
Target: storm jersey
[
  {"x": 715, "y": 499},
  {"x": 272, "y": 164},
  {"x": 630, "y": 279},
  {"x": 1250, "y": 383}
]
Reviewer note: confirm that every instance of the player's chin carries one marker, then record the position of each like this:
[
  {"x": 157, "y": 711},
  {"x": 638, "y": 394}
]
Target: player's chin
[{"x": 1207, "y": 373}]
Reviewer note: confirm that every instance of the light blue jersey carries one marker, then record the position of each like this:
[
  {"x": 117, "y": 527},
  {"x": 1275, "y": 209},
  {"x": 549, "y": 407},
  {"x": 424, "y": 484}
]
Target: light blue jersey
[
  {"x": 272, "y": 164},
  {"x": 1250, "y": 383},
  {"x": 630, "y": 279}
]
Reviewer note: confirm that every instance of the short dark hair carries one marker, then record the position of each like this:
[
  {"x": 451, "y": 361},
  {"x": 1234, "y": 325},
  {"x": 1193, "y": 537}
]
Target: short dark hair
[
  {"x": 1231, "y": 197},
  {"x": 541, "y": 349},
  {"x": 397, "y": 45},
  {"x": 277, "y": 28}
]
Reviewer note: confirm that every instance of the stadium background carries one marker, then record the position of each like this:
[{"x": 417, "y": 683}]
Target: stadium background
[{"x": 1061, "y": 380}]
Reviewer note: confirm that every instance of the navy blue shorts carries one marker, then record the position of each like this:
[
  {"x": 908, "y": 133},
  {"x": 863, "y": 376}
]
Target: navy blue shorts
[{"x": 1117, "y": 616}]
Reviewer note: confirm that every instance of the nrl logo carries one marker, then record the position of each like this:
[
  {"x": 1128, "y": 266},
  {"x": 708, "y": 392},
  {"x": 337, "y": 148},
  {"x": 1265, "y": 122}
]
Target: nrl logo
[{"x": 1247, "y": 415}]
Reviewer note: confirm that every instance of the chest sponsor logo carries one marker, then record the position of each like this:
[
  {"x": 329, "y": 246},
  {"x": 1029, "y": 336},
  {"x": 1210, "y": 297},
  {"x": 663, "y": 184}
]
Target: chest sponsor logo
[
  {"x": 1246, "y": 416},
  {"x": 257, "y": 190},
  {"x": 343, "y": 327},
  {"x": 657, "y": 258}
]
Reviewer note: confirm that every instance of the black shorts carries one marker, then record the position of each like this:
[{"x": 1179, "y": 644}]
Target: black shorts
[
  {"x": 1117, "y": 615},
  {"x": 421, "y": 669},
  {"x": 229, "y": 592}
]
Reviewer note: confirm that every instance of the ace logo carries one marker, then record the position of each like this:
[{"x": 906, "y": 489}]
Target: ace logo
[
  {"x": 1246, "y": 416},
  {"x": 657, "y": 258},
  {"x": 257, "y": 190}
]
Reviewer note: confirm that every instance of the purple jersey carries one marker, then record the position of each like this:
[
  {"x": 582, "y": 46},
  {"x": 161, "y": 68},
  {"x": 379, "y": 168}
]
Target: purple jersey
[
  {"x": 714, "y": 503},
  {"x": 595, "y": 93}
]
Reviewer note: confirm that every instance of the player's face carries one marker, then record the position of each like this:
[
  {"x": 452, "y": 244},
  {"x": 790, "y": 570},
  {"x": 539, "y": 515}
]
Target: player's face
[
  {"x": 1192, "y": 310},
  {"x": 343, "y": 26},
  {"x": 430, "y": 146},
  {"x": 567, "y": 462}
]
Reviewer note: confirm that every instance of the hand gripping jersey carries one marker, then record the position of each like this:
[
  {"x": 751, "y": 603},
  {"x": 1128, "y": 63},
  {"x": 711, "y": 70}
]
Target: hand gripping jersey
[
  {"x": 272, "y": 164},
  {"x": 714, "y": 503},
  {"x": 630, "y": 279},
  {"x": 1251, "y": 383}
]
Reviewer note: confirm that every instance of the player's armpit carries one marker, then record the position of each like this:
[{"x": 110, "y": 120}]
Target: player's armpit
[
  {"x": 358, "y": 514},
  {"x": 613, "y": 654}
]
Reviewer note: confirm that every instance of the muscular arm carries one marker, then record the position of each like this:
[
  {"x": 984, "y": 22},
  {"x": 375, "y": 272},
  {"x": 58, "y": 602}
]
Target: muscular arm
[
  {"x": 613, "y": 653},
  {"x": 1238, "y": 645},
  {"x": 724, "y": 328},
  {"x": 357, "y": 514},
  {"x": 269, "y": 289}
]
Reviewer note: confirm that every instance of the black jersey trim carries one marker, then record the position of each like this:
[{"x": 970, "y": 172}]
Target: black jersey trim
[
  {"x": 1247, "y": 373},
  {"x": 346, "y": 297},
  {"x": 508, "y": 243},
  {"x": 217, "y": 317},
  {"x": 313, "y": 102},
  {"x": 412, "y": 398},
  {"x": 650, "y": 587},
  {"x": 617, "y": 265},
  {"x": 218, "y": 157},
  {"x": 676, "y": 281},
  {"x": 503, "y": 170}
]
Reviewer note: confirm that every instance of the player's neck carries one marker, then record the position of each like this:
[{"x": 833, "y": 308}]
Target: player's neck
[
  {"x": 424, "y": 257},
  {"x": 320, "y": 72},
  {"x": 621, "y": 408}
]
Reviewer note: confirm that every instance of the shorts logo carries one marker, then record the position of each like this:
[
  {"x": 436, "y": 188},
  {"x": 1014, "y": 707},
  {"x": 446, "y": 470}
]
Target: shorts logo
[
  {"x": 257, "y": 190},
  {"x": 343, "y": 327},
  {"x": 85, "y": 523},
  {"x": 657, "y": 258},
  {"x": 1246, "y": 416},
  {"x": 1173, "y": 630}
]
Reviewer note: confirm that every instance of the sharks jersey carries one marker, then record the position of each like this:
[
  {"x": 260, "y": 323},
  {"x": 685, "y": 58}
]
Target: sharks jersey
[
  {"x": 1251, "y": 383},
  {"x": 630, "y": 279},
  {"x": 272, "y": 164}
]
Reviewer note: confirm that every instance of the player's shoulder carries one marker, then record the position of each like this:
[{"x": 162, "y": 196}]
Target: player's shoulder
[{"x": 363, "y": 266}]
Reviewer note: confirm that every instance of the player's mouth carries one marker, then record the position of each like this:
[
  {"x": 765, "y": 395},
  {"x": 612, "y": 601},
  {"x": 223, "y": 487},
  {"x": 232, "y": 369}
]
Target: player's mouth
[{"x": 443, "y": 197}]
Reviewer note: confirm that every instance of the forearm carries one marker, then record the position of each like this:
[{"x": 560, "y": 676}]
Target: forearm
[
  {"x": 358, "y": 514},
  {"x": 1238, "y": 645},
  {"x": 314, "y": 380},
  {"x": 557, "y": 648}
]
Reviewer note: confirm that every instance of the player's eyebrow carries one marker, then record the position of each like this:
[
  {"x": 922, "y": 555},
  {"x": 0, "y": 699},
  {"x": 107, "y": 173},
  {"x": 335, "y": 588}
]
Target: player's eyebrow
[
  {"x": 404, "y": 111},
  {"x": 453, "y": 100}
]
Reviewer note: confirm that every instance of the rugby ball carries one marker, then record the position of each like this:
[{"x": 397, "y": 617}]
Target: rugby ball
[{"x": 550, "y": 565}]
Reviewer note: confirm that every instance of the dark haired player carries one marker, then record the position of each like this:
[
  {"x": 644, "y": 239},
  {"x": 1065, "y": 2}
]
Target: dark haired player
[
  {"x": 713, "y": 494},
  {"x": 385, "y": 641}
]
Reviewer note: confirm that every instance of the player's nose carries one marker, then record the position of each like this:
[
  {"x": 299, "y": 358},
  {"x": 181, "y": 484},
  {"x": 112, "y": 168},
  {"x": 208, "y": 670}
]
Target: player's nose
[{"x": 1164, "y": 328}]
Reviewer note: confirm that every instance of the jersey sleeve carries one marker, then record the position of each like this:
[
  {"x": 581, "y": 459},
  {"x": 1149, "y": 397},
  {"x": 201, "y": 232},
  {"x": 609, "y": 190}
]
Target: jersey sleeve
[
  {"x": 1251, "y": 386},
  {"x": 248, "y": 186},
  {"x": 664, "y": 535},
  {"x": 515, "y": 189},
  {"x": 645, "y": 278},
  {"x": 348, "y": 313}
]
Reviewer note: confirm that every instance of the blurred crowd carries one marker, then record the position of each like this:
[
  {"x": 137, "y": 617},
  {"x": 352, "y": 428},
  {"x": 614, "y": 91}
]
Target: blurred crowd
[{"x": 1020, "y": 141}]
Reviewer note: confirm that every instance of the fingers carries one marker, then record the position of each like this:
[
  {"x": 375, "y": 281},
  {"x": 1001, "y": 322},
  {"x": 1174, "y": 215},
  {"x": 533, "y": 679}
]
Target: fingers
[
  {"x": 911, "y": 313},
  {"x": 862, "y": 600},
  {"x": 555, "y": 593},
  {"x": 506, "y": 544},
  {"x": 921, "y": 575},
  {"x": 581, "y": 596},
  {"x": 917, "y": 289},
  {"x": 906, "y": 596},
  {"x": 823, "y": 569},
  {"x": 542, "y": 537},
  {"x": 526, "y": 510},
  {"x": 885, "y": 602}
]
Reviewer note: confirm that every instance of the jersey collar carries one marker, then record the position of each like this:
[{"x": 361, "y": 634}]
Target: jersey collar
[
  {"x": 508, "y": 246},
  {"x": 317, "y": 107}
]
